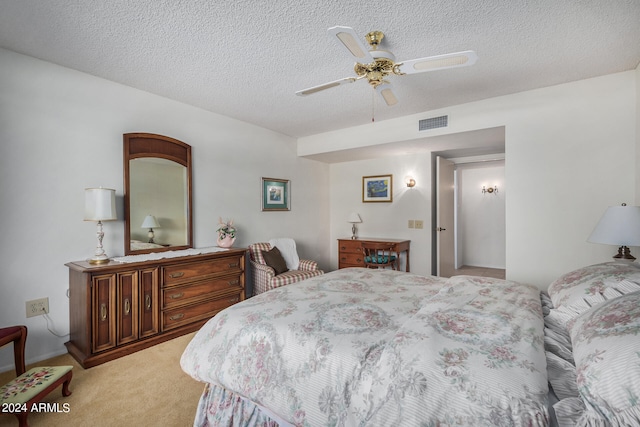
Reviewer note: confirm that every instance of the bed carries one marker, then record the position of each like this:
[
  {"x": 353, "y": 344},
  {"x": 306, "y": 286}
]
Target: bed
[{"x": 358, "y": 347}]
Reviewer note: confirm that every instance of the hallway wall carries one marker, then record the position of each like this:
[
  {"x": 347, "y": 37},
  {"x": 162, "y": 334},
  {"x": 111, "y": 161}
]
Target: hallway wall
[{"x": 480, "y": 217}]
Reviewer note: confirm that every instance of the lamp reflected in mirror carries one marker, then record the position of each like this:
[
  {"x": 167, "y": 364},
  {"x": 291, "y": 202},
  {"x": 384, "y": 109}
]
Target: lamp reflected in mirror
[{"x": 150, "y": 222}]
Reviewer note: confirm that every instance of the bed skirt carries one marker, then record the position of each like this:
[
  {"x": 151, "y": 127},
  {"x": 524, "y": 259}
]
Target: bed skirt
[{"x": 219, "y": 407}]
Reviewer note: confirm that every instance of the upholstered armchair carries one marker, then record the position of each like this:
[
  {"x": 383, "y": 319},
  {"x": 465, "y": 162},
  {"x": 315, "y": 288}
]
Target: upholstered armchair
[{"x": 276, "y": 264}]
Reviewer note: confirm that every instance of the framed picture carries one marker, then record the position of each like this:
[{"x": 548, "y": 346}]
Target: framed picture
[
  {"x": 377, "y": 188},
  {"x": 275, "y": 194}
]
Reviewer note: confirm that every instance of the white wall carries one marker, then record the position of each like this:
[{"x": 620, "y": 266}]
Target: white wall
[
  {"x": 61, "y": 131},
  {"x": 481, "y": 232},
  {"x": 570, "y": 153},
  {"x": 388, "y": 220}
]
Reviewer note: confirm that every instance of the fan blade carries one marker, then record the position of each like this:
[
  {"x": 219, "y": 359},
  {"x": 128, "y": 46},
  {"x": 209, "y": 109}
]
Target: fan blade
[
  {"x": 438, "y": 62},
  {"x": 329, "y": 85},
  {"x": 350, "y": 41},
  {"x": 386, "y": 91}
]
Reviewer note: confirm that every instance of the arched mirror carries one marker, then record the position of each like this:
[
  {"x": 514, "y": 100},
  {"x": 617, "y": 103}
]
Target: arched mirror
[{"x": 157, "y": 194}]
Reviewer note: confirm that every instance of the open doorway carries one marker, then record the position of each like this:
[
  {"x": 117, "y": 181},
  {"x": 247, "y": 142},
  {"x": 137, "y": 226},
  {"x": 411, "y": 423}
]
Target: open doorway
[
  {"x": 480, "y": 230},
  {"x": 477, "y": 213}
]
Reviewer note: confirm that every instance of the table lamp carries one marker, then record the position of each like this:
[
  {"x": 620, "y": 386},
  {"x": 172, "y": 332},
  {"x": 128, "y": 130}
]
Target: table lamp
[
  {"x": 354, "y": 218},
  {"x": 99, "y": 205},
  {"x": 620, "y": 226}
]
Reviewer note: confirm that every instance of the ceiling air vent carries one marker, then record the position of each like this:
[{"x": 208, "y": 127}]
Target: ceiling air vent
[{"x": 433, "y": 123}]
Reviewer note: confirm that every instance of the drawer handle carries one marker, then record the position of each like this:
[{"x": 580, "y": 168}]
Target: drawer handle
[
  {"x": 233, "y": 264},
  {"x": 344, "y": 248},
  {"x": 176, "y": 296},
  {"x": 103, "y": 312},
  {"x": 177, "y": 316},
  {"x": 127, "y": 306},
  {"x": 233, "y": 282},
  {"x": 176, "y": 275},
  {"x": 234, "y": 300},
  {"x": 147, "y": 301}
]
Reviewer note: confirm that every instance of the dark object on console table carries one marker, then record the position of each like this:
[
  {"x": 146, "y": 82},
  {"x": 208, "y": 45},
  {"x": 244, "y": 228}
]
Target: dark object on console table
[{"x": 119, "y": 308}]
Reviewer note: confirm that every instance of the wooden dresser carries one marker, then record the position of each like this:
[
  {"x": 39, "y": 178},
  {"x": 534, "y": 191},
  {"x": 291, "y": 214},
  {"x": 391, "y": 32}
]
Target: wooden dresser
[
  {"x": 119, "y": 308},
  {"x": 350, "y": 252}
]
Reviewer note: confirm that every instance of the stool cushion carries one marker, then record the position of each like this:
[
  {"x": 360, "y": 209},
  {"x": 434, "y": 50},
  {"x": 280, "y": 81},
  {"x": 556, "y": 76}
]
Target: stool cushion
[{"x": 32, "y": 382}]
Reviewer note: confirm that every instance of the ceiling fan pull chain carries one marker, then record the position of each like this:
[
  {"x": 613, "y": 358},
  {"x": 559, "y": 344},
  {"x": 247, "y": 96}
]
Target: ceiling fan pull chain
[{"x": 373, "y": 107}]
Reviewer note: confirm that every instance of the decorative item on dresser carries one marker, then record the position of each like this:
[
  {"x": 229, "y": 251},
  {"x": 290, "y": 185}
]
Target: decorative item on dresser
[
  {"x": 118, "y": 308},
  {"x": 350, "y": 251},
  {"x": 226, "y": 233}
]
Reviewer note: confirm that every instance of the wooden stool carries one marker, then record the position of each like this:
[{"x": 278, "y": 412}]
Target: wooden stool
[{"x": 21, "y": 394}]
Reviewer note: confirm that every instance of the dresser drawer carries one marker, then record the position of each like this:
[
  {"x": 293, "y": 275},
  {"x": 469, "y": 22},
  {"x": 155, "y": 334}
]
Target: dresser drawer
[
  {"x": 349, "y": 246},
  {"x": 188, "y": 314},
  {"x": 189, "y": 272},
  {"x": 350, "y": 260},
  {"x": 188, "y": 293}
]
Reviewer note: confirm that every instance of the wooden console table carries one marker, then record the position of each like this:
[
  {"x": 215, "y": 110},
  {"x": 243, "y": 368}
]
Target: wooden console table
[
  {"x": 350, "y": 252},
  {"x": 118, "y": 308}
]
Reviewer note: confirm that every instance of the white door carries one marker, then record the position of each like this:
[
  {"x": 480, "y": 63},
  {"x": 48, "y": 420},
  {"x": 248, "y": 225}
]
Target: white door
[{"x": 445, "y": 217}]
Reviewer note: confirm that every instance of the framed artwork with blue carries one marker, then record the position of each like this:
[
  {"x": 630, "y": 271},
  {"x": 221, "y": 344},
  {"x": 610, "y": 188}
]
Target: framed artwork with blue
[
  {"x": 275, "y": 194},
  {"x": 377, "y": 188}
]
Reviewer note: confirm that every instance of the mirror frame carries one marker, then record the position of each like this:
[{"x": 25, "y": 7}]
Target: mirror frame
[{"x": 140, "y": 145}]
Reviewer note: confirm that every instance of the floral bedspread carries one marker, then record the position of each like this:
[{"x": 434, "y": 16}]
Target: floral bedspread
[{"x": 358, "y": 347}]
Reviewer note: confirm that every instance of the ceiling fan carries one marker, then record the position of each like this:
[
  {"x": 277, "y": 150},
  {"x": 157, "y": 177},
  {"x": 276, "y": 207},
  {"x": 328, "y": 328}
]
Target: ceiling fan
[{"x": 375, "y": 65}]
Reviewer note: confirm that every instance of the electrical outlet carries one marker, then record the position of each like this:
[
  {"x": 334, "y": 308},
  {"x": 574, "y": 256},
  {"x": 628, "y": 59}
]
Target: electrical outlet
[
  {"x": 37, "y": 307},
  {"x": 419, "y": 223},
  {"x": 412, "y": 223}
]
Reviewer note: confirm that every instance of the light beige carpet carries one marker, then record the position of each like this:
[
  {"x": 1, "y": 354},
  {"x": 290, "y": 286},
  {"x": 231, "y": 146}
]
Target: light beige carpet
[{"x": 147, "y": 388}]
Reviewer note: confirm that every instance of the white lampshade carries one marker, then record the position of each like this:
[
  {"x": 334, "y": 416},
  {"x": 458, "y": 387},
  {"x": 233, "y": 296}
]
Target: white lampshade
[
  {"x": 150, "y": 222},
  {"x": 99, "y": 204},
  {"x": 620, "y": 226},
  {"x": 354, "y": 217}
]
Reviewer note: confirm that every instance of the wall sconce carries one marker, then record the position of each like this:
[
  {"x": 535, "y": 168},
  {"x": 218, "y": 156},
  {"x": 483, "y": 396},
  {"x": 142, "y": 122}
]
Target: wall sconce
[
  {"x": 410, "y": 181},
  {"x": 490, "y": 190}
]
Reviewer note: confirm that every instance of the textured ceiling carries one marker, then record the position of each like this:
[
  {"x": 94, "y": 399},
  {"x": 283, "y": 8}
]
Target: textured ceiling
[{"x": 245, "y": 58}]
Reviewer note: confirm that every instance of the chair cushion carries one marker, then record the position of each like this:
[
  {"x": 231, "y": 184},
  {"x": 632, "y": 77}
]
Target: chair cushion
[
  {"x": 273, "y": 258},
  {"x": 380, "y": 259},
  {"x": 31, "y": 383}
]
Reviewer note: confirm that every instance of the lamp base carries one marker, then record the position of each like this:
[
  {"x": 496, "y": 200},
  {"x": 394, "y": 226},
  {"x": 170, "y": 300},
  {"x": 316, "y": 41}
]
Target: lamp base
[
  {"x": 624, "y": 253},
  {"x": 103, "y": 259},
  {"x": 354, "y": 230}
]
